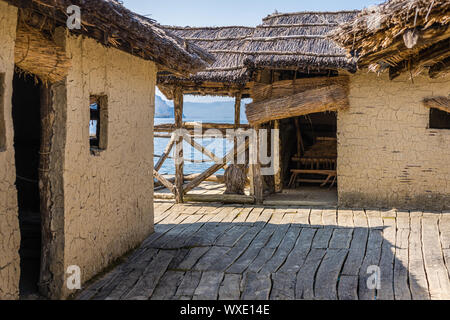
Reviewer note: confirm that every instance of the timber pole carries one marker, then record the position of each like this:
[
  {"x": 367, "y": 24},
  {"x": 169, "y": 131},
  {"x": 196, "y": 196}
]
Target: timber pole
[
  {"x": 277, "y": 155},
  {"x": 237, "y": 119},
  {"x": 255, "y": 168},
  {"x": 179, "y": 156}
]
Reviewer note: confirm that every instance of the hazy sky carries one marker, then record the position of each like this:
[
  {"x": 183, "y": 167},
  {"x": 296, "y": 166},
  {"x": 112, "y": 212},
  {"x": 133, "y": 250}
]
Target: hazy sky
[{"x": 231, "y": 12}]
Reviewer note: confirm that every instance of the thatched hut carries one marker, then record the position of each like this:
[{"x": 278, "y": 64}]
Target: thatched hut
[
  {"x": 381, "y": 137},
  {"x": 394, "y": 138},
  {"x": 76, "y": 113},
  {"x": 286, "y": 56}
]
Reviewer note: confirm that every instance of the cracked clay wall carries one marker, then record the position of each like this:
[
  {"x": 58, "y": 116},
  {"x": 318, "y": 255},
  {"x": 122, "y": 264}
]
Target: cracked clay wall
[
  {"x": 108, "y": 197},
  {"x": 9, "y": 222},
  {"x": 387, "y": 156}
]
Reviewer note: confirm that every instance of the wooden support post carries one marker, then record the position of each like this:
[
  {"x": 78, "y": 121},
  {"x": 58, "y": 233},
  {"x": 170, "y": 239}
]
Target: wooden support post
[
  {"x": 179, "y": 156},
  {"x": 277, "y": 155},
  {"x": 255, "y": 167},
  {"x": 237, "y": 119}
]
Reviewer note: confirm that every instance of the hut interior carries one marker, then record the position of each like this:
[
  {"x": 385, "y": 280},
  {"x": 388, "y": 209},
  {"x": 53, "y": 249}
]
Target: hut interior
[{"x": 27, "y": 134}]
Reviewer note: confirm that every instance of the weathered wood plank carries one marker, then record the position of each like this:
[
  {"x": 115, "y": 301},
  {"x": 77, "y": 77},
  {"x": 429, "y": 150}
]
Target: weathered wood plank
[
  {"x": 188, "y": 285},
  {"x": 207, "y": 260},
  {"x": 357, "y": 252},
  {"x": 232, "y": 255},
  {"x": 348, "y": 288},
  {"x": 417, "y": 278},
  {"x": 282, "y": 252},
  {"x": 401, "y": 286},
  {"x": 130, "y": 272},
  {"x": 242, "y": 263},
  {"x": 208, "y": 288},
  {"x": 322, "y": 238},
  {"x": 360, "y": 219},
  {"x": 329, "y": 218},
  {"x": 300, "y": 251},
  {"x": 341, "y": 239},
  {"x": 192, "y": 258},
  {"x": 371, "y": 258},
  {"x": 232, "y": 236},
  {"x": 436, "y": 272},
  {"x": 168, "y": 285},
  {"x": 302, "y": 217},
  {"x": 345, "y": 218},
  {"x": 256, "y": 286},
  {"x": 325, "y": 287},
  {"x": 283, "y": 286},
  {"x": 386, "y": 291},
  {"x": 374, "y": 219},
  {"x": 230, "y": 287},
  {"x": 315, "y": 218},
  {"x": 144, "y": 287},
  {"x": 304, "y": 288},
  {"x": 269, "y": 249}
]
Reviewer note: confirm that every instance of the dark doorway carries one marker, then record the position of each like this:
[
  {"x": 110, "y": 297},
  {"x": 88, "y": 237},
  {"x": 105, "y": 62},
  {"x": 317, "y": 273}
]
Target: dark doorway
[
  {"x": 27, "y": 140},
  {"x": 308, "y": 161}
]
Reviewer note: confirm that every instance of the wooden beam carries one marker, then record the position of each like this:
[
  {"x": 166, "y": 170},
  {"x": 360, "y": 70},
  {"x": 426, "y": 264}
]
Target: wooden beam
[
  {"x": 441, "y": 103},
  {"x": 255, "y": 167},
  {"x": 164, "y": 181},
  {"x": 427, "y": 57},
  {"x": 201, "y": 148},
  {"x": 166, "y": 152},
  {"x": 439, "y": 68},
  {"x": 214, "y": 178},
  {"x": 300, "y": 146},
  {"x": 237, "y": 118},
  {"x": 278, "y": 177},
  {"x": 427, "y": 38},
  {"x": 237, "y": 110},
  {"x": 179, "y": 163},
  {"x": 210, "y": 171},
  {"x": 168, "y": 127},
  {"x": 330, "y": 98},
  {"x": 220, "y": 198},
  {"x": 163, "y": 196}
]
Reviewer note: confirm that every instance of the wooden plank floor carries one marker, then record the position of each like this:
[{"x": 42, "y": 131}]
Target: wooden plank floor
[{"x": 248, "y": 252}]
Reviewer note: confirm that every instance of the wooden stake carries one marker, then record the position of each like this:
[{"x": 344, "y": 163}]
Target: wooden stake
[
  {"x": 277, "y": 154},
  {"x": 166, "y": 152},
  {"x": 179, "y": 163},
  {"x": 256, "y": 171}
]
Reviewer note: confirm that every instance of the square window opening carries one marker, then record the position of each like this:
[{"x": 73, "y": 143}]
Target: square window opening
[
  {"x": 439, "y": 119},
  {"x": 98, "y": 122}
]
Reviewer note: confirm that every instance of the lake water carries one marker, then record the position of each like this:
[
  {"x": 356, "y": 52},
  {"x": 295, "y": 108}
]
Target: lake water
[{"x": 220, "y": 147}]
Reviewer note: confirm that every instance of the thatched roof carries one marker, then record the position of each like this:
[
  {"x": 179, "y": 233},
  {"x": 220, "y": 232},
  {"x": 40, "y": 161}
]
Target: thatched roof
[
  {"x": 397, "y": 31},
  {"x": 110, "y": 23},
  {"x": 299, "y": 41},
  {"x": 295, "y": 41},
  {"x": 224, "y": 43}
]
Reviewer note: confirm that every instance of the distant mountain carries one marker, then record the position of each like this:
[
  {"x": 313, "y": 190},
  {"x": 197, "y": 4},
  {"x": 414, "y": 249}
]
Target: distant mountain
[
  {"x": 197, "y": 111},
  {"x": 162, "y": 108}
]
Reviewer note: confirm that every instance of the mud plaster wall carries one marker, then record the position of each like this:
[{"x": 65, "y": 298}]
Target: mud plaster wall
[
  {"x": 108, "y": 198},
  {"x": 387, "y": 156},
  {"x": 9, "y": 223}
]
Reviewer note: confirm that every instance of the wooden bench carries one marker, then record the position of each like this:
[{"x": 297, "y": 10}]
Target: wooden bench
[{"x": 330, "y": 174}]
